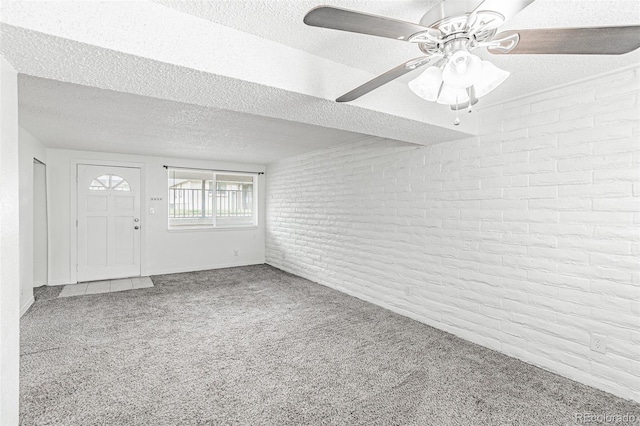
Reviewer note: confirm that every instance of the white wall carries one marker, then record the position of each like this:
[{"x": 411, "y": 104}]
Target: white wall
[
  {"x": 524, "y": 240},
  {"x": 163, "y": 251},
  {"x": 9, "y": 246},
  {"x": 29, "y": 148}
]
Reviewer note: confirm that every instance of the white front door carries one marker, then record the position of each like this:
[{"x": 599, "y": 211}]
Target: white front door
[{"x": 108, "y": 222}]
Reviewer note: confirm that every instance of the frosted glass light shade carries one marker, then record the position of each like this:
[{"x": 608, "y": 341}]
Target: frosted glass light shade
[
  {"x": 450, "y": 85},
  {"x": 462, "y": 70},
  {"x": 427, "y": 84},
  {"x": 489, "y": 78},
  {"x": 451, "y": 95}
]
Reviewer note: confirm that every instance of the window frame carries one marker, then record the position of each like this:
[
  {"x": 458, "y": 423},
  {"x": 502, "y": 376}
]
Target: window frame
[{"x": 213, "y": 226}]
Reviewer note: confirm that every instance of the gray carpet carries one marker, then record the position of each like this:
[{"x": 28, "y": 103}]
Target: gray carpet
[{"x": 257, "y": 346}]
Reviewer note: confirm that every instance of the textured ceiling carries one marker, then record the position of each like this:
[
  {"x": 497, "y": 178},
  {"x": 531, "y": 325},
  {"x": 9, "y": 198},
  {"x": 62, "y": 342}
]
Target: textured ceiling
[
  {"x": 281, "y": 21},
  {"x": 71, "y": 116},
  {"x": 253, "y": 76}
]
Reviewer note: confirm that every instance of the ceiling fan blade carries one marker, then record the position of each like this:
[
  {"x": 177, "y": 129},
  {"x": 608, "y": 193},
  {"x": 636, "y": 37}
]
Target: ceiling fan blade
[
  {"x": 508, "y": 8},
  {"x": 383, "y": 79},
  {"x": 573, "y": 41},
  {"x": 357, "y": 22}
]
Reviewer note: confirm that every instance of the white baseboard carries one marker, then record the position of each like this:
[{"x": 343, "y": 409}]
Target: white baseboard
[
  {"x": 27, "y": 305},
  {"x": 178, "y": 270},
  {"x": 204, "y": 268}
]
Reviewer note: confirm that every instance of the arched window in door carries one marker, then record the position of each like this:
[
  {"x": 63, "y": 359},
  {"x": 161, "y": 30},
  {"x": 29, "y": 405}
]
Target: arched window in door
[{"x": 105, "y": 182}]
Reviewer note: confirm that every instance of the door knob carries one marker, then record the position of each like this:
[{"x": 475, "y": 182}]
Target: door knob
[{"x": 136, "y": 227}]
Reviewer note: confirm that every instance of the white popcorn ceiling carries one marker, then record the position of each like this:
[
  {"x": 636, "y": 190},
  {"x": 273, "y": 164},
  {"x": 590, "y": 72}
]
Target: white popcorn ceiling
[
  {"x": 248, "y": 80},
  {"x": 281, "y": 21},
  {"x": 72, "y": 116}
]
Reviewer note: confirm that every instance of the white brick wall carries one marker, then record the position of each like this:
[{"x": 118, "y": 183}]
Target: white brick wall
[{"x": 525, "y": 239}]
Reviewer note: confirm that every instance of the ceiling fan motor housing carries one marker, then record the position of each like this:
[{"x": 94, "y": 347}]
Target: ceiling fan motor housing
[{"x": 452, "y": 19}]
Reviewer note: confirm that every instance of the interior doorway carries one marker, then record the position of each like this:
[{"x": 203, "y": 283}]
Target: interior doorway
[{"x": 40, "y": 231}]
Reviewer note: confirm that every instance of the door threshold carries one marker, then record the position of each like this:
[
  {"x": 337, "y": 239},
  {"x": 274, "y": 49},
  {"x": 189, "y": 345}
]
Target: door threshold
[{"x": 105, "y": 286}]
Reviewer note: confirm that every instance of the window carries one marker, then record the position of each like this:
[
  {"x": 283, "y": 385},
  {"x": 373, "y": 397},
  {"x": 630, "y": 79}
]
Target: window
[
  {"x": 104, "y": 182},
  {"x": 210, "y": 199}
]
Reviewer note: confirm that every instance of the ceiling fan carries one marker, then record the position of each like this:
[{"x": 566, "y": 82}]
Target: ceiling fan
[{"x": 451, "y": 30}]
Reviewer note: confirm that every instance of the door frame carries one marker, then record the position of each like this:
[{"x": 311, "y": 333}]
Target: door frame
[
  {"x": 73, "y": 210},
  {"x": 46, "y": 213}
]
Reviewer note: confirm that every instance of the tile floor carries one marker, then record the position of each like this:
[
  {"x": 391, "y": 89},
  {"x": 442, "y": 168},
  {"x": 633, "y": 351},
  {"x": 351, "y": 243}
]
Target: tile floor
[{"x": 95, "y": 287}]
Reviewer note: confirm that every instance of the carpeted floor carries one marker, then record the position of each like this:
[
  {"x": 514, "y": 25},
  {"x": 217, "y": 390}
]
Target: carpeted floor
[{"x": 257, "y": 346}]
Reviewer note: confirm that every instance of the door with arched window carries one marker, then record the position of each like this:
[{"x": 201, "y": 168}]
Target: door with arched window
[{"x": 108, "y": 222}]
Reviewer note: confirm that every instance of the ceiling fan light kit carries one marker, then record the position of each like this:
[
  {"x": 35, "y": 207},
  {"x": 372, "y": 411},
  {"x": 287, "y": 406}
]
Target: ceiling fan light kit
[
  {"x": 448, "y": 86},
  {"x": 450, "y": 31}
]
